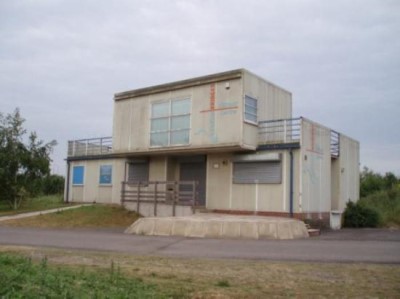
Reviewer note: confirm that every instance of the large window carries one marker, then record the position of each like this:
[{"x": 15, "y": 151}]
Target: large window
[
  {"x": 77, "y": 175},
  {"x": 105, "y": 175},
  {"x": 250, "y": 109},
  {"x": 262, "y": 172},
  {"x": 170, "y": 122}
]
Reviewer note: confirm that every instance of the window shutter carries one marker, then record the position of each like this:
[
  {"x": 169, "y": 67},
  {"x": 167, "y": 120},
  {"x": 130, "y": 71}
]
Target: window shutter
[
  {"x": 138, "y": 172},
  {"x": 257, "y": 172}
]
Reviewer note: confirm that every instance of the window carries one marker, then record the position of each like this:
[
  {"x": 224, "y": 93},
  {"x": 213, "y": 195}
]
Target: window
[
  {"x": 138, "y": 172},
  {"x": 77, "y": 175},
  {"x": 105, "y": 174},
  {"x": 257, "y": 172},
  {"x": 170, "y": 123},
  {"x": 250, "y": 109}
]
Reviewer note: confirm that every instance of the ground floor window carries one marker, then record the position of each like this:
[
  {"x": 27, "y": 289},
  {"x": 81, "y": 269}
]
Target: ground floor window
[
  {"x": 105, "y": 177},
  {"x": 263, "y": 172},
  {"x": 77, "y": 175},
  {"x": 138, "y": 171}
]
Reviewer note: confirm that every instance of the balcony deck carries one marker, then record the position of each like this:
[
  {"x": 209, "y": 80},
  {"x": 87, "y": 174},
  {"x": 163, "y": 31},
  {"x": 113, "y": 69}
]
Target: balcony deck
[{"x": 272, "y": 134}]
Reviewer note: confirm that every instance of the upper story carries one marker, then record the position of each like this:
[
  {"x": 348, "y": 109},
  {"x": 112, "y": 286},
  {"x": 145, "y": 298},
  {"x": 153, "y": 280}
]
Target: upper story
[
  {"x": 230, "y": 111},
  {"x": 204, "y": 113}
]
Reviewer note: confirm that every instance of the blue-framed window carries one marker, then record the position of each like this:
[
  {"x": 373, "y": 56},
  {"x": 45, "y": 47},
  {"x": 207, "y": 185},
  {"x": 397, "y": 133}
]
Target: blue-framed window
[
  {"x": 250, "y": 109},
  {"x": 78, "y": 173},
  {"x": 105, "y": 174}
]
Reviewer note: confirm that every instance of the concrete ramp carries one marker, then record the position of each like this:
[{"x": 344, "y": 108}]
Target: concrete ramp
[{"x": 220, "y": 226}]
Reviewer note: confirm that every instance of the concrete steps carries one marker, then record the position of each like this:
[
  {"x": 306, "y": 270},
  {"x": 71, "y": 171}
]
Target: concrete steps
[{"x": 220, "y": 226}]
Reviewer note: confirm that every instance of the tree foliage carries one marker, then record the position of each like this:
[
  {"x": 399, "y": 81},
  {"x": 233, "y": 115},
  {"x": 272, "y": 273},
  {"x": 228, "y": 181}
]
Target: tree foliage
[
  {"x": 22, "y": 165},
  {"x": 371, "y": 182}
]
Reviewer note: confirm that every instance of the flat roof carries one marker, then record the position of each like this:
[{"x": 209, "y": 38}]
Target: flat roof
[{"x": 229, "y": 75}]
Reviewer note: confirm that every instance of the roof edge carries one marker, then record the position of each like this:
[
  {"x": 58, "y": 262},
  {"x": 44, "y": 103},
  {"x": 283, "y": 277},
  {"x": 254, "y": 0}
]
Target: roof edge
[{"x": 197, "y": 81}]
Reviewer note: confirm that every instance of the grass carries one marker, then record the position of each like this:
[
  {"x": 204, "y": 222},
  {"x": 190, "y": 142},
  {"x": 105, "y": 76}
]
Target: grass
[
  {"x": 93, "y": 216},
  {"x": 205, "y": 278},
  {"x": 45, "y": 202}
]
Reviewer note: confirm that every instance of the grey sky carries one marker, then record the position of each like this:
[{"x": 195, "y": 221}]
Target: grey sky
[{"x": 62, "y": 61}]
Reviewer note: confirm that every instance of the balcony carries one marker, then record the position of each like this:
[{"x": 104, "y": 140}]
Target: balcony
[
  {"x": 90, "y": 147},
  {"x": 272, "y": 134}
]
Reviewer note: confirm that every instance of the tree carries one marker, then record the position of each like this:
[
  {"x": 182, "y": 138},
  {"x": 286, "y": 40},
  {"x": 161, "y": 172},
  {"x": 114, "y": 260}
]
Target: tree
[{"x": 21, "y": 166}]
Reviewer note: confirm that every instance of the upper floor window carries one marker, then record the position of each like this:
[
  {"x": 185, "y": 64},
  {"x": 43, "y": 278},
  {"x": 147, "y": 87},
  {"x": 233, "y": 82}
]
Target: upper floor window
[
  {"x": 170, "y": 122},
  {"x": 250, "y": 109}
]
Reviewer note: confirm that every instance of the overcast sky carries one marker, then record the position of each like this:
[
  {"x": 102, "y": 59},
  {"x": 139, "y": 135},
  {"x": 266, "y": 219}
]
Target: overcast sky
[{"x": 62, "y": 61}]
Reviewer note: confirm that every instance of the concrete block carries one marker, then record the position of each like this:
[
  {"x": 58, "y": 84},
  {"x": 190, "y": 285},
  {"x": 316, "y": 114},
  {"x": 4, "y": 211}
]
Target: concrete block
[
  {"x": 196, "y": 229},
  {"x": 163, "y": 226},
  {"x": 213, "y": 229},
  {"x": 249, "y": 230},
  {"x": 179, "y": 228},
  {"x": 231, "y": 229},
  {"x": 284, "y": 230},
  {"x": 267, "y": 230}
]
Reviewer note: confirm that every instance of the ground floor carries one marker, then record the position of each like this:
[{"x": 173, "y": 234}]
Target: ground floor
[{"x": 291, "y": 181}]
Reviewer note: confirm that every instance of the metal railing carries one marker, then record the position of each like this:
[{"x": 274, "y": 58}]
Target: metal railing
[
  {"x": 280, "y": 130},
  {"x": 335, "y": 144},
  {"x": 92, "y": 146},
  {"x": 160, "y": 192}
]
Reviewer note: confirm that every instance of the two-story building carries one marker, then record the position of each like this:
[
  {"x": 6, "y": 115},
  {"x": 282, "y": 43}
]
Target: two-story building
[{"x": 226, "y": 142}]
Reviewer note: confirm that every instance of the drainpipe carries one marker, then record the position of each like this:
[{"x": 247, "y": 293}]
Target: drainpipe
[
  {"x": 291, "y": 185},
  {"x": 67, "y": 182}
]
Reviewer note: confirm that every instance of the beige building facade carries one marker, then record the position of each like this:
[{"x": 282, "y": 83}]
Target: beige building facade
[{"x": 225, "y": 142}]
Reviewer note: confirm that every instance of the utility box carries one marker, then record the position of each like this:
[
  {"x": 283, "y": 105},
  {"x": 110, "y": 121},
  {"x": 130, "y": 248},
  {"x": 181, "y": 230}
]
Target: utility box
[{"x": 336, "y": 219}]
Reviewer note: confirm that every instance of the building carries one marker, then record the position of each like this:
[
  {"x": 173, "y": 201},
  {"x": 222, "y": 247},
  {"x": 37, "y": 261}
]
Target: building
[{"x": 225, "y": 142}]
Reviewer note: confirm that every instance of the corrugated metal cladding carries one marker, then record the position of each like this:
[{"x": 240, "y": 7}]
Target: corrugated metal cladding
[
  {"x": 268, "y": 172},
  {"x": 138, "y": 172}
]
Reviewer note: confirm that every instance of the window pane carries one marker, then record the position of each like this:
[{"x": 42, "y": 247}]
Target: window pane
[
  {"x": 160, "y": 109},
  {"x": 180, "y": 137},
  {"x": 159, "y": 139},
  {"x": 250, "y": 117},
  {"x": 159, "y": 124},
  {"x": 251, "y": 110},
  {"x": 180, "y": 122},
  {"x": 105, "y": 174},
  {"x": 77, "y": 175},
  {"x": 250, "y": 101},
  {"x": 181, "y": 107}
]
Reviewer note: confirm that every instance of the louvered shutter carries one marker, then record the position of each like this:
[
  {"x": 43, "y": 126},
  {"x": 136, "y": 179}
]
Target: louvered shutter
[{"x": 257, "y": 172}]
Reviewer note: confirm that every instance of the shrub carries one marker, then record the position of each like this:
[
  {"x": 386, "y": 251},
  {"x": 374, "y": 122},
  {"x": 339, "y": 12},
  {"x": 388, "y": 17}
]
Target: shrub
[{"x": 357, "y": 215}]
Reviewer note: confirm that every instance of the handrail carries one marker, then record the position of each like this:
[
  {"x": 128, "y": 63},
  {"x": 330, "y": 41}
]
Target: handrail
[
  {"x": 90, "y": 146},
  {"x": 279, "y": 130}
]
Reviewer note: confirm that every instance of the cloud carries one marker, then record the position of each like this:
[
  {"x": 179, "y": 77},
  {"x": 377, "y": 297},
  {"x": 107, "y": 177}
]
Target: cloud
[{"x": 62, "y": 61}]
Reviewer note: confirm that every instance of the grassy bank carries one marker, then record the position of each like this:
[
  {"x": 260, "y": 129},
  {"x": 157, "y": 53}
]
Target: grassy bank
[
  {"x": 110, "y": 216},
  {"x": 162, "y": 277},
  {"x": 45, "y": 202}
]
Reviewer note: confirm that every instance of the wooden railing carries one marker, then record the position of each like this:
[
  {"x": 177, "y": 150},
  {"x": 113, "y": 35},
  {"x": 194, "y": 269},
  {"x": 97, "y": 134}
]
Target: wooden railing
[{"x": 160, "y": 192}]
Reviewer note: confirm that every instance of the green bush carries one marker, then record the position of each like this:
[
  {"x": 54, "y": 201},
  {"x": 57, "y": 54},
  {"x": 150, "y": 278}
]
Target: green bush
[
  {"x": 357, "y": 215},
  {"x": 53, "y": 184}
]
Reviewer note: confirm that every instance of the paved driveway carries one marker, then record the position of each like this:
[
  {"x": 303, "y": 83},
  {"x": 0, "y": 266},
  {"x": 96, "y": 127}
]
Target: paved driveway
[{"x": 360, "y": 246}]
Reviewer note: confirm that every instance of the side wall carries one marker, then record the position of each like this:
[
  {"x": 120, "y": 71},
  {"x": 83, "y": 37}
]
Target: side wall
[
  {"x": 315, "y": 196},
  {"x": 273, "y": 103},
  {"x": 91, "y": 190}
]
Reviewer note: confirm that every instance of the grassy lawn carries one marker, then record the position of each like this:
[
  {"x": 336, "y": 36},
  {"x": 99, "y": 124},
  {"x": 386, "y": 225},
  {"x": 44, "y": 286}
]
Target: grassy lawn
[
  {"x": 110, "y": 216},
  {"x": 34, "y": 204},
  {"x": 87, "y": 274}
]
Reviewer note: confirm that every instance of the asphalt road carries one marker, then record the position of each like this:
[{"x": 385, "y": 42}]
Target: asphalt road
[{"x": 348, "y": 246}]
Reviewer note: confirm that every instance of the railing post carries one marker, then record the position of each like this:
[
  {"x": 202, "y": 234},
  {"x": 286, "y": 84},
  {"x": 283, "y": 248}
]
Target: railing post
[
  {"x": 123, "y": 192},
  {"x": 175, "y": 198},
  {"x": 155, "y": 198},
  {"x": 101, "y": 145},
  {"x": 284, "y": 130},
  {"x": 138, "y": 198},
  {"x": 73, "y": 148},
  {"x": 86, "y": 150}
]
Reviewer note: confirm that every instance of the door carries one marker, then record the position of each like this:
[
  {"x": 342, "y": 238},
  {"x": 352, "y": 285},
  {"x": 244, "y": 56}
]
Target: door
[{"x": 194, "y": 171}]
